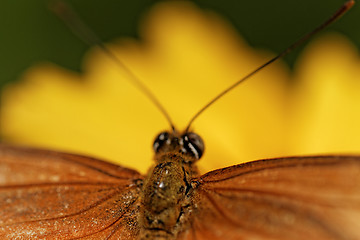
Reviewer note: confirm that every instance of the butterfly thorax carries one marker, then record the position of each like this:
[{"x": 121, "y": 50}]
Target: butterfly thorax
[{"x": 166, "y": 196}]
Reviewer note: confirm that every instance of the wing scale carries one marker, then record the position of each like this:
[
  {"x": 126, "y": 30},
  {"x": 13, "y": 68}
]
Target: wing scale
[
  {"x": 54, "y": 195},
  {"x": 288, "y": 198}
]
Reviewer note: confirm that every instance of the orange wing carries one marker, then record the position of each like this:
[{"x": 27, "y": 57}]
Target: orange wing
[
  {"x": 289, "y": 198},
  {"x": 45, "y": 194}
]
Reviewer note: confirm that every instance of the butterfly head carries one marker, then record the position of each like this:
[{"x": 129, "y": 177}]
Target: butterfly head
[{"x": 188, "y": 143}]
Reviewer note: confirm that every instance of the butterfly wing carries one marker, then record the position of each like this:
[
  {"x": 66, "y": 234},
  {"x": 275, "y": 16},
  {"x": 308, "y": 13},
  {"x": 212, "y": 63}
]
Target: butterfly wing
[
  {"x": 51, "y": 195},
  {"x": 289, "y": 198}
]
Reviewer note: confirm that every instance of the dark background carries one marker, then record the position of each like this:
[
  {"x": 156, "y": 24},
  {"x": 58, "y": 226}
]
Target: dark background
[{"x": 30, "y": 33}]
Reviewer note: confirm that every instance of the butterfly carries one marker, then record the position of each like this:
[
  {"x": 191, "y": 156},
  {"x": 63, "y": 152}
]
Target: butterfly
[{"x": 52, "y": 195}]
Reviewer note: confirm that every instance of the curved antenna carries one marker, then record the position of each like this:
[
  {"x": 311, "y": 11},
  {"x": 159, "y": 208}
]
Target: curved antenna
[
  {"x": 343, "y": 9},
  {"x": 82, "y": 31}
]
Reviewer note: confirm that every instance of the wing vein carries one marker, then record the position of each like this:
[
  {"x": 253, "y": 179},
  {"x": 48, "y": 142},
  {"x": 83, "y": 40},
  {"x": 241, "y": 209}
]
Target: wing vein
[
  {"x": 289, "y": 165},
  {"x": 97, "y": 203}
]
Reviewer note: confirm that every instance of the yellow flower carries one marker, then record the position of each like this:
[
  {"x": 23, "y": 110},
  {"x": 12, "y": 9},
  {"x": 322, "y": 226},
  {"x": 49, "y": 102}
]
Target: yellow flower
[{"x": 187, "y": 57}]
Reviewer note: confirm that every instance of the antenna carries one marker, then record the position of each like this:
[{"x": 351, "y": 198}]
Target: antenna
[
  {"x": 82, "y": 31},
  {"x": 343, "y": 9}
]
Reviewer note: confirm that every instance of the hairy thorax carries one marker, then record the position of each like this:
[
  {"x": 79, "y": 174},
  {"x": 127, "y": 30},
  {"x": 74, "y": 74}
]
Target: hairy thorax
[{"x": 166, "y": 198}]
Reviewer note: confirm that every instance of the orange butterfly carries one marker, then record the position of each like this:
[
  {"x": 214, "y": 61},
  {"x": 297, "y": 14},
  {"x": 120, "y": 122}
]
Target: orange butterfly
[{"x": 52, "y": 195}]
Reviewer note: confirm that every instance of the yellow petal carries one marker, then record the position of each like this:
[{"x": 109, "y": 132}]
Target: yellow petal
[{"x": 327, "y": 98}]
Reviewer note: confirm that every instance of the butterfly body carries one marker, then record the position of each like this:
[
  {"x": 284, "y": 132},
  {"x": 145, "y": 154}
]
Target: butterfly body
[
  {"x": 166, "y": 202},
  {"x": 167, "y": 192}
]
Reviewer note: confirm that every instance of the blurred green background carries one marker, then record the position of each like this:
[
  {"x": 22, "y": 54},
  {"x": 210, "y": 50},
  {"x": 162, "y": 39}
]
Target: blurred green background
[{"x": 30, "y": 33}]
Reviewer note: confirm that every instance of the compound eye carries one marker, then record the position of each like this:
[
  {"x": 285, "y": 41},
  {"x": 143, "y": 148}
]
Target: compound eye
[
  {"x": 160, "y": 141},
  {"x": 193, "y": 144}
]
